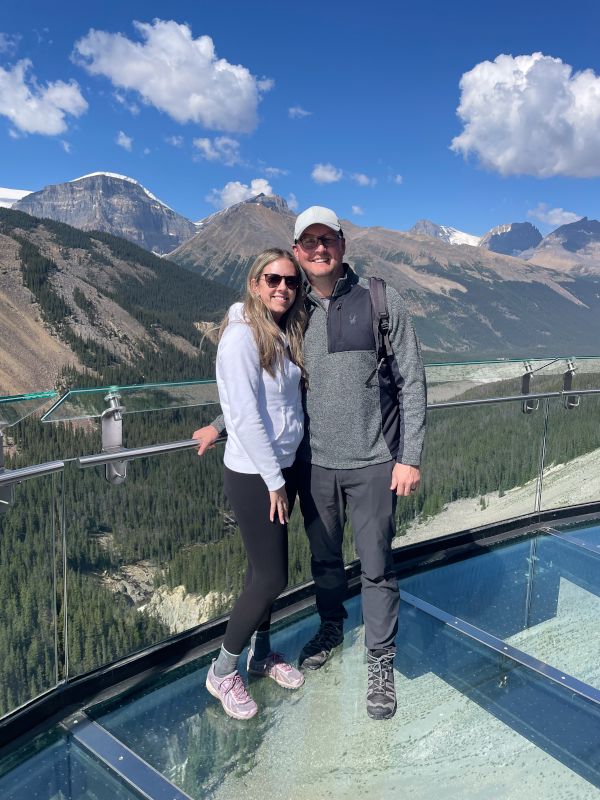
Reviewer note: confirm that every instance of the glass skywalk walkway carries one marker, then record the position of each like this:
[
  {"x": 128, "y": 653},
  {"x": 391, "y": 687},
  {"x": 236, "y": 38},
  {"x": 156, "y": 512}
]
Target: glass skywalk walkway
[{"x": 115, "y": 569}]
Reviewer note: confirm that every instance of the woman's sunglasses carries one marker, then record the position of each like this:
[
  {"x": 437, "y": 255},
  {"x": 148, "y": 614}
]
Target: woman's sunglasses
[{"x": 272, "y": 279}]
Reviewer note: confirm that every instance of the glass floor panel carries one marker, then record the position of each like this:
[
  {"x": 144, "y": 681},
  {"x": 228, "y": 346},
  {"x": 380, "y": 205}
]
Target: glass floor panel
[
  {"x": 582, "y": 532},
  {"x": 58, "y": 769},
  {"x": 542, "y": 595},
  {"x": 467, "y": 720}
]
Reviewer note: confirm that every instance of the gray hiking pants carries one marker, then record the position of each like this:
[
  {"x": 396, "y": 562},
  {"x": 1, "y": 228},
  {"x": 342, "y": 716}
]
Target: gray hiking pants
[{"x": 324, "y": 496}]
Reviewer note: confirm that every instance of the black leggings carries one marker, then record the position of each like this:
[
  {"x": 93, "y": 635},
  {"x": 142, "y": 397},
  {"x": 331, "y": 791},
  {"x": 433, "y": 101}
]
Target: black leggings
[{"x": 266, "y": 546}]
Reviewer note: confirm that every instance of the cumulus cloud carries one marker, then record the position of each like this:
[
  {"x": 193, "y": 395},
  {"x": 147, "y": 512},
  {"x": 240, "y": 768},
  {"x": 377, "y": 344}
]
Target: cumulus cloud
[
  {"x": 124, "y": 141},
  {"x": 553, "y": 216},
  {"x": 38, "y": 109},
  {"x": 363, "y": 180},
  {"x": 297, "y": 112},
  {"x": 176, "y": 73},
  {"x": 531, "y": 115},
  {"x": 357, "y": 211},
  {"x": 398, "y": 179},
  {"x": 174, "y": 141},
  {"x": 326, "y": 173},
  {"x": 66, "y": 146},
  {"x": 133, "y": 108},
  {"x": 222, "y": 149},
  {"x": 292, "y": 202},
  {"x": 235, "y": 192}
]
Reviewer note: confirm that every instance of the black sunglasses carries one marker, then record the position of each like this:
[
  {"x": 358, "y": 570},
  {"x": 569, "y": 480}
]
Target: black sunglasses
[{"x": 272, "y": 279}]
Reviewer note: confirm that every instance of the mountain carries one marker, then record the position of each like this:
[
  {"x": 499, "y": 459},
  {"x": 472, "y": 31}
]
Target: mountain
[
  {"x": 97, "y": 309},
  {"x": 468, "y": 301},
  {"x": 425, "y": 227},
  {"x": 116, "y": 204},
  {"x": 512, "y": 239},
  {"x": 573, "y": 248},
  {"x": 226, "y": 242}
]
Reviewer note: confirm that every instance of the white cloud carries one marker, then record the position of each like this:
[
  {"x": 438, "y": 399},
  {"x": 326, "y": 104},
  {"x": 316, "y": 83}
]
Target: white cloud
[
  {"x": 398, "y": 179},
  {"x": 553, "y": 216},
  {"x": 326, "y": 173},
  {"x": 275, "y": 172},
  {"x": 531, "y": 115},
  {"x": 35, "y": 108},
  {"x": 296, "y": 112},
  {"x": 146, "y": 151},
  {"x": 235, "y": 192},
  {"x": 265, "y": 84},
  {"x": 124, "y": 141},
  {"x": 292, "y": 202},
  {"x": 175, "y": 141},
  {"x": 9, "y": 43},
  {"x": 66, "y": 146},
  {"x": 357, "y": 210},
  {"x": 176, "y": 73},
  {"x": 222, "y": 149},
  {"x": 363, "y": 180}
]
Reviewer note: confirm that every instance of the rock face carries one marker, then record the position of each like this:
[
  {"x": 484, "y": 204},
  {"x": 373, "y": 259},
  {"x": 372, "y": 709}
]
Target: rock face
[
  {"x": 573, "y": 248},
  {"x": 179, "y": 610},
  {"x": 114, "y": 204},
  {"x": 512, "y": 239},
  {"x": 426, "y": 227}
]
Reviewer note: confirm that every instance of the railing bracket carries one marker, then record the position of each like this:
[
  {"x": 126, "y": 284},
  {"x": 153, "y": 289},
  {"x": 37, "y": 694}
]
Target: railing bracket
[
  {"x": 530, "y": 405},
  {"x": 112, "y": 437},
  {"x": 570, "y": 400}
]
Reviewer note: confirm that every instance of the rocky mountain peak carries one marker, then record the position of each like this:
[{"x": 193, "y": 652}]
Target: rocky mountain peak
[
  {"x": 111, "y": 203},
  {"x": 511, "y": 239},
  {"x": 273, "y": 201},
  {"x": 425, "y": 227}
]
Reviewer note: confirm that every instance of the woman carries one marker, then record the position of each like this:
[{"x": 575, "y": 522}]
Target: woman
[{"x": 259, "y": 371}]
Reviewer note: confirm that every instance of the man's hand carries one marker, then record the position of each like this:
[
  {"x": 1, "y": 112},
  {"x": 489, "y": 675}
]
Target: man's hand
[
  {"x": 206, "y": 437},
  {"x": 279, "y": 505},
  {"x": 405, "y": 479}
]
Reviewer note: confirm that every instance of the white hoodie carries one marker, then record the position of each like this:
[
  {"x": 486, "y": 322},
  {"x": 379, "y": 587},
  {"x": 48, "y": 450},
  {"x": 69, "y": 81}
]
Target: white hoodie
[{"x": 263, "y": 415}]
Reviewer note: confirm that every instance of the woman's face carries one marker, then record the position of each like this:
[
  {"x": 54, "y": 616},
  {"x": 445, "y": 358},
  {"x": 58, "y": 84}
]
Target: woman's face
[{"x": 275, "y": 294}]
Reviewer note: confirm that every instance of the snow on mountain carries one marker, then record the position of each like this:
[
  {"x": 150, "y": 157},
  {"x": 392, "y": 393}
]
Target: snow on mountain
[
  {"x": 8, "y": 197},
  {"x": 123, "y": 178},
  {"x": 426, "y": 227}
]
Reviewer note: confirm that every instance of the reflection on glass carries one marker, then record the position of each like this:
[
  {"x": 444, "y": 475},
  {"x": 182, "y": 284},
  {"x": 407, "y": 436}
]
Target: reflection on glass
[
  {"x": 57, "y": 769},
  {"x": 27, "y": 592},
  {"x": 14, "y": 409},
  {"x": 572, "y": 458},
  {"x": 540, "y": 594},
  {"x": 90, "y": 403},
  {"x": 467, "y": 720},
  {"x": 480, "y": 465},
  {"x": 586, "y": 532}
]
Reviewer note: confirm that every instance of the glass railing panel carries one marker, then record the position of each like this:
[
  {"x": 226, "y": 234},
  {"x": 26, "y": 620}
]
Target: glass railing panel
[
  {"x": 91, "y": 403},
  {"x": 15, "y": 408},
  {"x": 484, "y": 379},
  {"x": 53, "y": 768},
  {"x": 29, "y": 591},
  {"x": 153, "y": 556},
  {"x": 468, "y": 719},
  {"x": 541, "y": 594},
  {"x": 572, "y": 457},
  {"x": 480, "y": 465}
]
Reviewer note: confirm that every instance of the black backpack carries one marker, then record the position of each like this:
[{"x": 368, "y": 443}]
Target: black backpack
[{"x": 381, "y": 324}]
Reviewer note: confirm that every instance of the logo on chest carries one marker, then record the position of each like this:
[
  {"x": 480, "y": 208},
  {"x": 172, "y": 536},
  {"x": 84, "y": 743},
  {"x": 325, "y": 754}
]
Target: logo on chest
[{"x": 352, "y": 319}]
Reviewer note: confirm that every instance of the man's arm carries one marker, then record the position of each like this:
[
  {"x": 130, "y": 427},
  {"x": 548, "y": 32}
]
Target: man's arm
[{"x": 412, "y": 396}]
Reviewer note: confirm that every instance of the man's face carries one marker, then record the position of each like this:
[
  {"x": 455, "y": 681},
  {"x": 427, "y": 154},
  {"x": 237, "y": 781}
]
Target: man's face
[{"x": 321, "y": 261}]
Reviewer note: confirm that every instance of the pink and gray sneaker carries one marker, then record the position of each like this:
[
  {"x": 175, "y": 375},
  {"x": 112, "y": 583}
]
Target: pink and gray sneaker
[
  {"x": 273, "y": 666},
  {"x": 232, "y": 693}
]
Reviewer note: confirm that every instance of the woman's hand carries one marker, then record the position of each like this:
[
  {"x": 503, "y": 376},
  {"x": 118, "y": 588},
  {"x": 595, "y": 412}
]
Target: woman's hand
[{"x": 279, "y": 506}]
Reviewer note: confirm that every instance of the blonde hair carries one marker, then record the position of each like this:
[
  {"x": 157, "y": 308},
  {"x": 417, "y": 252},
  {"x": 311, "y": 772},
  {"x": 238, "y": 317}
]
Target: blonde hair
[{"x": 267, "y": 332}]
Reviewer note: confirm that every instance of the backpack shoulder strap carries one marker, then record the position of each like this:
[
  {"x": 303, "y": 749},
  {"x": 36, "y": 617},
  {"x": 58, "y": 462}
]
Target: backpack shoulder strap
[{"x": 381, "y": 317}]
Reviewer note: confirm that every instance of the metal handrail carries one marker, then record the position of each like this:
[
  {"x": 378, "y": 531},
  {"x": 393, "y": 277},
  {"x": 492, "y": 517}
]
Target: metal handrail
[
  {"x": 8, "y": 476},
  {"x": 510, "y": 398},
  {"x": 131, "y": 453}
]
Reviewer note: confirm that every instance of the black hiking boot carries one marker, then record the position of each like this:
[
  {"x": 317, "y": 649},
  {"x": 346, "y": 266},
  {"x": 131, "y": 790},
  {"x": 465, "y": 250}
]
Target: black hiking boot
[
  {"x": 316, "y": 652},
  {"x": 381, "y": 692}
]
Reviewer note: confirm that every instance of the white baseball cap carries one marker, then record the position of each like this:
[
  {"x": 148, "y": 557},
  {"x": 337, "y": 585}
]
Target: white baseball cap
[{"x": 316, "y": 215}]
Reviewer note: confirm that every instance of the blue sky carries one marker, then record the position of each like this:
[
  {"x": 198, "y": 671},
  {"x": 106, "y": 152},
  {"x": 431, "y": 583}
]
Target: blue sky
[{"x": 349, "y": 105}]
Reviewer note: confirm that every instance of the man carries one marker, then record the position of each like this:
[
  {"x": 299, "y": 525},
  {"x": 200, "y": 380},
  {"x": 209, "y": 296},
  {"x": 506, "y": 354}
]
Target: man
[{"x": 364, "y": 429}]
